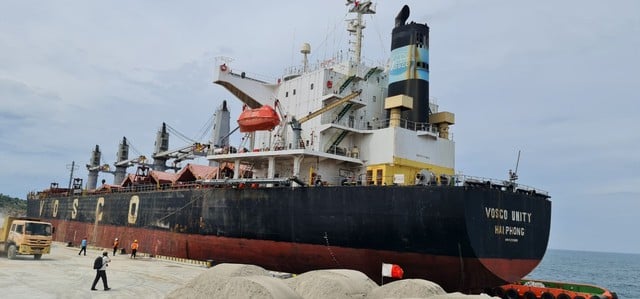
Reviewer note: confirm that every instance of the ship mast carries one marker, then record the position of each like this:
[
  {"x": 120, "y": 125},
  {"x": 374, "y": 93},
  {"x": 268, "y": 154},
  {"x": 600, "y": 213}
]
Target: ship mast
[{"x": 356, "y": 25}]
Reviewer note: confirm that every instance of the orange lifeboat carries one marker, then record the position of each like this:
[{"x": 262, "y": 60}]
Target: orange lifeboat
[{"x": 259, "y": 119}]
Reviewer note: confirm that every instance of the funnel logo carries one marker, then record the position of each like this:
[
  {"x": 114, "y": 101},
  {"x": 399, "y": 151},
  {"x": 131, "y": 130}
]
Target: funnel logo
[{"x": 409, "y": 62}]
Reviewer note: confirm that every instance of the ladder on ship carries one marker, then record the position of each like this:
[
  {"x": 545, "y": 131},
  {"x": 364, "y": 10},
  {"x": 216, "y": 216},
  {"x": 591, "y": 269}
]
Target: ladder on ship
[
  {"x": 346, "y": 84},
  {"x": 371, "y": 72},
  {"x": 333, "y": 148},
  {"x": 348, "y": 106},
  {"x": 343, "y": 112}
]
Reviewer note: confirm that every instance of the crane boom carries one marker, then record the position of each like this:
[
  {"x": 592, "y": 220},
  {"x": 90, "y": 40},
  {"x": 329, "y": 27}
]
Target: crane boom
[
  {"x": 329, "y": 107},
  {"x": 138, "y": 160}
]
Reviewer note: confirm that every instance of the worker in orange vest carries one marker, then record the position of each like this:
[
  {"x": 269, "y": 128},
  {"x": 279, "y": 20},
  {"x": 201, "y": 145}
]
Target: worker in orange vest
[
  {"x": 134, "y": 248},
  {"x": 115, "y": 246}
]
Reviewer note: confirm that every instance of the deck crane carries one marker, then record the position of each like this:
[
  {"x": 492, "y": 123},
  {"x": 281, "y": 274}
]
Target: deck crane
[
  {"x": 119, "y": 173},
  {"x": 184, "y": 153},
  {"x": 296, "y": 124}
]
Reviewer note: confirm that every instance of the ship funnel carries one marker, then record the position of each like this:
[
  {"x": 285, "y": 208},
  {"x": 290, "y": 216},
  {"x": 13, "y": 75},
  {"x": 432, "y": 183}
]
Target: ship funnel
[
  {"x": 409, "y": 69},
  {"x": 402, "y": 16}
]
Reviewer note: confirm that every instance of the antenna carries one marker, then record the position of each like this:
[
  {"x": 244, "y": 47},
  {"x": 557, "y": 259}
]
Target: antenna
[
  {"x": 513, "y": 175},
  {"x": 356, "y": 25},
  {"x": 72, "y": 167}
]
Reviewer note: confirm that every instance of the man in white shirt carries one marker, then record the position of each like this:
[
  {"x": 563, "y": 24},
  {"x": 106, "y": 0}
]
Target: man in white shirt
[{"x": 102, "y": 272}]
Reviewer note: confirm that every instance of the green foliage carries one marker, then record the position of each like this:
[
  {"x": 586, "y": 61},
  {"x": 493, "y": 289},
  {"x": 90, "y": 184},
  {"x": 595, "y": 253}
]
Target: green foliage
[{"x": 12, "y": 206}]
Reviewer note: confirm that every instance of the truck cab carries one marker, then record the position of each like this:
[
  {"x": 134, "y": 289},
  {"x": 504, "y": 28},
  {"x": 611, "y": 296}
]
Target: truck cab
[{"x": 25, "y": 236}]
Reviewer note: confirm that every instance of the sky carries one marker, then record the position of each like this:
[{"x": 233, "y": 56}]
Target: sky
[{"x": 556, "y": 80}]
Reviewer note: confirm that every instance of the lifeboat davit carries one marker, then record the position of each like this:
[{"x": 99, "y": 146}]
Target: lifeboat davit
[{"x": 260, "y": 119}]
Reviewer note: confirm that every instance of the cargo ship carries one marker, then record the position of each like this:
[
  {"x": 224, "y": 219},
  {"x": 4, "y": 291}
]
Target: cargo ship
[{"x": 340, "y": 165}]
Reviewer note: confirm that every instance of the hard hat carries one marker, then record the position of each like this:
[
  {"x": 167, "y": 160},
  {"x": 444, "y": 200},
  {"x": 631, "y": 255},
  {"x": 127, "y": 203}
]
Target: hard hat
[
  {"x": 135, "y": 240},
  {"x": 116, "y": 239}
]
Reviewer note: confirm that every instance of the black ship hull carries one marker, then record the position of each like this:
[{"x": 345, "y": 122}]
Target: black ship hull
[{"x": 463, "y": 238}]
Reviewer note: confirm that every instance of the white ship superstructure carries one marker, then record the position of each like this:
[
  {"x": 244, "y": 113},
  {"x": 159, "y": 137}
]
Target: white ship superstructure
[{"x": 338, "y": 124}]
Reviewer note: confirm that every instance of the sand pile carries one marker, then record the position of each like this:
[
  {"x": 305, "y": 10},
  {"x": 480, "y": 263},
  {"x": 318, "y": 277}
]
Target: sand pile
[
  {"x": 248, "y": 281},
  {"x": 416, "y": 288},
  {"x": 337, "y": 284},
  {"x": 407, "y": 288},
  {"x": 234, "y": 281},
  {"x": 255, "y": 287}
]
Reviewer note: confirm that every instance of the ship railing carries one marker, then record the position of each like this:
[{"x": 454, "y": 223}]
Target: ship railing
[
  {"x": 144, "y": 188},
  {"x": 456, "y": 180},
  {"x": 253, "y": 77},
  {"x": 250, "y": 182},
  {"x": 504, "y": 185},
  {"x": 380, "y": 124},
  {"x": 339, "y": 150},
  {"x": 345, "y": 122},
  {"x": 297, "y": 70},
  {"x": 264, "y": 79},
  {"x": 418, "y": 126},
  {"x": 338, "y": 59},
  {"x": 404, "y": 123}
]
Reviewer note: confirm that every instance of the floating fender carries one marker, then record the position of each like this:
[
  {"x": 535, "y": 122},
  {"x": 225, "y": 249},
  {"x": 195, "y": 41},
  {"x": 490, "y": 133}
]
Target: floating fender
[
  {"x": 512, "y": 294},
  {"x": 563, "y": 296},
  {"x": 547, "y": 295},
  {"x": 530, "y": 295},
  {"x": 578, "y": 297},
  {"x": 614, "y": 295},
  {"x": 498, "y": 292},
  {"x": 597, "y": 297}
]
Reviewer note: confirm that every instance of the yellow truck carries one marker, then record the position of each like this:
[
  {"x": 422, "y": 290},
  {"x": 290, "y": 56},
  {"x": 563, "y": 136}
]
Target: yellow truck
[{"x": 25, "y": 236}]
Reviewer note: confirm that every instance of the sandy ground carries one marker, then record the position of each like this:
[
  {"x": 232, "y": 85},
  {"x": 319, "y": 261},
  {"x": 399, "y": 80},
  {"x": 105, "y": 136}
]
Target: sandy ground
[{"x": 64, "y": 274}]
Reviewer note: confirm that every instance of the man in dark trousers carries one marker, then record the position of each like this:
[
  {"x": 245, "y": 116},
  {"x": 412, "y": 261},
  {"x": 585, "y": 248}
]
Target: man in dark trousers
[
  {"x": 102, "y": 272},
  {"x": 83, "y": 247},
  {"x": 115, "y": 246},
  {"x": 134, "y": 248}
]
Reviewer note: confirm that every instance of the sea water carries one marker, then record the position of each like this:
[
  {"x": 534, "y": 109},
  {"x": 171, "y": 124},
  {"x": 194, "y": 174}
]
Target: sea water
[{"x": 617, "y": 272}]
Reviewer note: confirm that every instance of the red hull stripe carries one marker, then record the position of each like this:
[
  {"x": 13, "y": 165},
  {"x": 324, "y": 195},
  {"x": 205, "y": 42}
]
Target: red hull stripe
[{"x": 298, "y": 258}]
